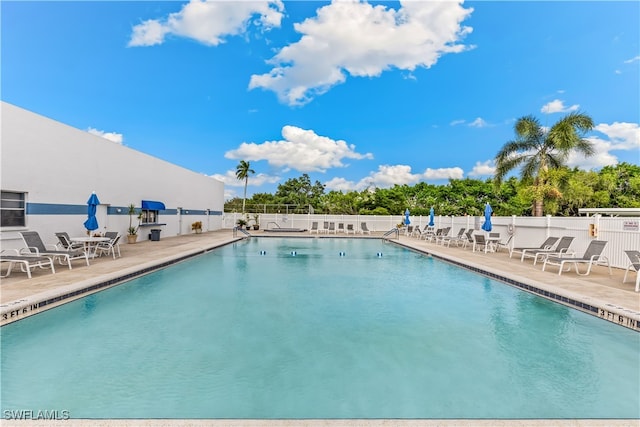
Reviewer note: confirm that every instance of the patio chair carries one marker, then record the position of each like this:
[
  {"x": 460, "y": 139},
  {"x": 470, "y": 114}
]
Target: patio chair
[
  {"x": 547, "y": 244},
  {"x": 341, "y": 227},
  {"x": 65, "y": 243},
  {"x": 26, "y": 262},
  {"x": 364, "y": 229},
  {"x": 428, "y": 233},
  {"x": 480, "y": 241},
  {"x": 504, "y": 244},
  {"x": 561, "y": 249},
  {"x": 112, "y": 245},
  {"x": 443, "y": 235},
  {"x": 332, "y": 228},
  {"x": 350, "y": 229},
  {"x": 592, "y": 256},
  {"x": 468, "y": 238},
  {"x": 455, "y": 239},
  {"x": 35, "y": 246},
  {"x": 634, "y": 264},
  {"x": 325, "y": 227},
  {"x": 416, "y": 232},
  {"x": 409, "y": 230},
  {"x": 314, "y": 227}
]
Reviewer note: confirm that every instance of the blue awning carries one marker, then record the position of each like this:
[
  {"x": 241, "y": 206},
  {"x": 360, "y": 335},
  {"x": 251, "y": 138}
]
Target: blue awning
[{"x": 152, "y": 206}]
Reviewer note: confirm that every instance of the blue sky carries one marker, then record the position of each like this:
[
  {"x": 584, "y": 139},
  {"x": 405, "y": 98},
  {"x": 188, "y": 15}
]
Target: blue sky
[{"x": 354, "y": 93}]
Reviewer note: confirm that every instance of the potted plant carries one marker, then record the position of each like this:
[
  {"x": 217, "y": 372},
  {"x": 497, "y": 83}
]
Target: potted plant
[
  {"x": 241, "y": 223},
  {"x": 197, "y": 227},
  {"x": 132, "y": 232},
  {"x": 256, "y": 222}
]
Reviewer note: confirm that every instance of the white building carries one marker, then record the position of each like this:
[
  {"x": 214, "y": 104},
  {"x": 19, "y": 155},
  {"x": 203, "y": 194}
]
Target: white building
[{"x": 49, "y": 170}]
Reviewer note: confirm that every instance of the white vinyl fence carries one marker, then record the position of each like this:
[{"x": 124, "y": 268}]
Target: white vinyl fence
[{"x": 622, "y": 233}]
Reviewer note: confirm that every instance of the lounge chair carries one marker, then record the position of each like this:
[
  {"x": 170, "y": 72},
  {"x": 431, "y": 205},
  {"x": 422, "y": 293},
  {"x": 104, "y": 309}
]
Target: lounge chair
[
  {"x": 332, "y": 228},
  {"x": 26, "y": 262},
  {"x": 314, "y": 227},
  {"x": 408, "y": 230},
  {"x": 561, "y": 250},
  {"x": 592, "y": 256},
  {"x": 364, "y": 229},
  {"x": 428, "y": 233},
  {"x": 35, "y": 246},
  {"x": 468, "y": 238},
  {"x": 634, "y": 264},
  {"x": 443, "y": 235},
  {"x": 350, "y": 229},
  {"x": 416, "y": 232},
  {"x": 341, "y": 227},
  {"x": 455, "y": 239},
  {"x": 547, "y": 244},
  {"x": 112, "y": 246}
]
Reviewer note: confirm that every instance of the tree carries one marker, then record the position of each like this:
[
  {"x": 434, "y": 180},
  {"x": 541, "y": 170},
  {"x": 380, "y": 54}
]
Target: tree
[
  {"x": 243, "y": 171},
  {"x": 536, "y": 150}
]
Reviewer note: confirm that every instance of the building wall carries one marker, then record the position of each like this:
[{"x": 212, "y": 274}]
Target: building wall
[{"x": 59, "y": 167}]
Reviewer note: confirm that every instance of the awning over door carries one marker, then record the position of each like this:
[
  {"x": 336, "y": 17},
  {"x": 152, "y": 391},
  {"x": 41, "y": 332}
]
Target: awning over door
[{"x": 152, "y": 205}]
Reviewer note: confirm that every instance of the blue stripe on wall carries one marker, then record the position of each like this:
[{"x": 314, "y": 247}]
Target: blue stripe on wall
[
  {"x": 55, "y": 209},
  {"x": 59, "y": 209}
]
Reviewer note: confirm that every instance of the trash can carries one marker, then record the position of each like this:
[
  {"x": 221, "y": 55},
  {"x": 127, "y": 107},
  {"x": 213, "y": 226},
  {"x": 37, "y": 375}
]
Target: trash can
[{"x": 155, "y": 234}]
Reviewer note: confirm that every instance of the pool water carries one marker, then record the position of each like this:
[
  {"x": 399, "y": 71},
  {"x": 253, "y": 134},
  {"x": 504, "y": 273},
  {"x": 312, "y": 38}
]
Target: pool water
[{"x": 346, "y": 328}]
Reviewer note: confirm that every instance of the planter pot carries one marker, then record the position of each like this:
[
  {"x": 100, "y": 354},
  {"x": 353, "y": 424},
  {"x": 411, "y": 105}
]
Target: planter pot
[
  {"x": 198, "y": 230},
  {"x": 256, "y": 227},
  {"x": 132, "y": 238}
]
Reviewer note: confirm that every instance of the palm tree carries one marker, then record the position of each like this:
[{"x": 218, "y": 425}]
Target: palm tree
[
  {"x": 243, "y": 171},
  {"x": 537, "y": 150}
]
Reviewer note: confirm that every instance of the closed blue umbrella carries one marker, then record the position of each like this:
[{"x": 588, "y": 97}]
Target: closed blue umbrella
[
  {"x": 407, "y": 221},
  {"x": 92, "y": 223},
  {"x": 487, "y": 218},
  {"x": 432, "y": 214}
]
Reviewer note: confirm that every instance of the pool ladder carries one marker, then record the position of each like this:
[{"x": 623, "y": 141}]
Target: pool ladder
[
  {"x": 394, "y": 230},
  {"x": 242, "y": 230}
]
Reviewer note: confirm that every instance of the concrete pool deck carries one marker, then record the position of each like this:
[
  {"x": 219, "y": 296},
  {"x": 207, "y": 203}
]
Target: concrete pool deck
[{"x": 20, "y": 297}]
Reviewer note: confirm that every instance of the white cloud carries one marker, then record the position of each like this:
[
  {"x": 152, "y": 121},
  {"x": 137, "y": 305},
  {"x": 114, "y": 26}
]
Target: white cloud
[
  {"x": 620, "y": 137},
  {"x": 355, "y": 38},
  {"x": 486, "y": 168},
  {"x": 301, "y": 149},
  {"x": 443, "y": 173},
  {"x": 457, "y": 122},
  {"x": 478, "y": 123},
  {"x": 557, "y": 106},
  {"x": 229, "y": 179},
  {"x": 209, "y": 21},
  {"x": 634, "y": 59},
  {"x": 389, "y": 175},
  {"x": 111, "y": 136}
]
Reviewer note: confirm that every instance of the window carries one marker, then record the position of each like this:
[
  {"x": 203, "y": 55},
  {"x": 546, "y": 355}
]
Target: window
[
  {"x": 149, "y": 216},
  {"x": 12, "y": 209}
]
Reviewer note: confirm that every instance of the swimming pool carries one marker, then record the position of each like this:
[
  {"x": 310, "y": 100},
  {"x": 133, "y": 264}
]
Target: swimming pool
[{"x": 319, "y": 328}]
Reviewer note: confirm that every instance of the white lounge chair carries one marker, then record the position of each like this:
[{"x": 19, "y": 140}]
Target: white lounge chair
[
  {"x": 332, "y": 228},
  {"x": 35, "y": 246},
  {"x": 592, "y": 256},
  {"x": 26, "y": 262},
  {"x": 481, "y": 242},
  {"x": 547, "y": 244},
  {"x": 350, "y": 229},
  {"x": 634, "y": 264},
  {"x": 560, "y": 250},
  {"x": 458, "y": 238}
]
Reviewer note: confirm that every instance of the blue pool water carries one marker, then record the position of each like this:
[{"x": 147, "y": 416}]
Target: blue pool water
[{"x": 346, "y": 328}]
